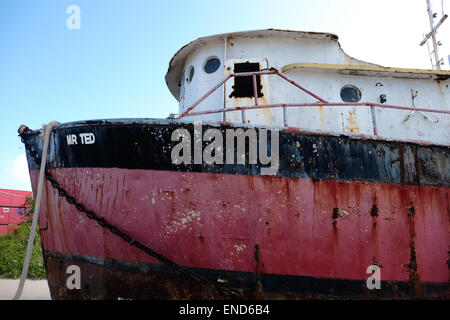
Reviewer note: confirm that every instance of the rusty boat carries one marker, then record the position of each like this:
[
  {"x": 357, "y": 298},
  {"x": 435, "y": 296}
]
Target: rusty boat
[{"x": 361, "y": 178}]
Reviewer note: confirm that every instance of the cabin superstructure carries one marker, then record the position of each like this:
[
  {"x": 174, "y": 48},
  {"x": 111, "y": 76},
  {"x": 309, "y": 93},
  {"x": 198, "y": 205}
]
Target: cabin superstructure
[{"x": 326, "y": 75}]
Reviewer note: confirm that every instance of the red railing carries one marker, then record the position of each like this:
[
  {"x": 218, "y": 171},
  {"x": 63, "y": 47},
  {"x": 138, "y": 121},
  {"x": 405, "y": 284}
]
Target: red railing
[{"x": 321, "y": 102}]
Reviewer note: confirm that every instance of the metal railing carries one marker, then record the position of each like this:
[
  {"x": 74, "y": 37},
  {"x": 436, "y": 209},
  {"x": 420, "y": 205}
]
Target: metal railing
[{"x": 321, "y": 102}]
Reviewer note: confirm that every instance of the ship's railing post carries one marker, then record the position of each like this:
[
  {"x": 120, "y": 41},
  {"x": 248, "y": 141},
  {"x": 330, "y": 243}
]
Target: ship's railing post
[
  {"x": 255, "y": 95},
  {"x": 255, "y": 90},
  {"x": 374, "y": 120},
  {"x": 243, "y": 115}
]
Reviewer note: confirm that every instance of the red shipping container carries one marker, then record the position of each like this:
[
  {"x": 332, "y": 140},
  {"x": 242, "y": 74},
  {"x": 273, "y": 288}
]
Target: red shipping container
[
  {"x": 13, "y": 198},
  {"x": 18, "y": 198},
  {"x": 4, "y": 215},
  {"x": 16, "y": 215},
  {"x": 12, "y": 210},
  {"x": 5, "y": 197}
]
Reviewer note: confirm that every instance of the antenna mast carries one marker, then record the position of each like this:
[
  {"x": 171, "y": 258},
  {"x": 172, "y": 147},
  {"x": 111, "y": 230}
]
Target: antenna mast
[{"x": 432, "y": 34}]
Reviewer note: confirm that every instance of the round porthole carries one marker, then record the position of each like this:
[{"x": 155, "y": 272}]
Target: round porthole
[
  {"x": 191, "y": 74},
  {"x": 350, "y": 94},
  {"x": 211, "y": 65}
]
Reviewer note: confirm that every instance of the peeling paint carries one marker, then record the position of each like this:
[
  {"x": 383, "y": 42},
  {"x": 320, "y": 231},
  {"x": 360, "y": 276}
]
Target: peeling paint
[{"x": 352, "y": 123}]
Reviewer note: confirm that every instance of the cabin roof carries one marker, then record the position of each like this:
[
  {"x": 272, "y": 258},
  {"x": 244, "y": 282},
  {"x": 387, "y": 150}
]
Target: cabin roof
[{"x": 176, "y": 64}]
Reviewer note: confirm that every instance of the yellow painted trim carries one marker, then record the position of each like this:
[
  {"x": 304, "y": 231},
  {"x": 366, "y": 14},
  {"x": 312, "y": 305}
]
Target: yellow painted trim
[{"x": 345, "y": 67}]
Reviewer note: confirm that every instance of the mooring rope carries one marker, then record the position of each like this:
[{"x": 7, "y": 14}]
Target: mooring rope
[{"x": 47, "y": 130}]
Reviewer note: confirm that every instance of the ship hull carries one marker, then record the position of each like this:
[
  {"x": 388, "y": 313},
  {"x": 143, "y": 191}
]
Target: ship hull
[{"x": 336, "y": 206}]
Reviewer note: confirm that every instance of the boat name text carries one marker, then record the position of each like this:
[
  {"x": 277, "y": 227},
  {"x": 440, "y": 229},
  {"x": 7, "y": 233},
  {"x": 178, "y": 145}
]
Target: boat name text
[{"x": 84, "y": 138}]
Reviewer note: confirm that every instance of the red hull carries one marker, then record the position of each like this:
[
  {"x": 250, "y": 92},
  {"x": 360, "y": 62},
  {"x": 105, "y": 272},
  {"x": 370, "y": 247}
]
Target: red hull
[
  {"x": 214, "y": 221},
  {"x": 335, "y": 206}
]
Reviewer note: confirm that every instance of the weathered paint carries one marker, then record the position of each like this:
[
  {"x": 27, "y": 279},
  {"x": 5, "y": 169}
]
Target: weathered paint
[
  {"x": 142, "y": 280},
  {"x": 317, "y": 62},
  {"x": 301, "y": 155},
  {"x": 180, "y": 60},
  {"x": 341, "y": 200},
  {"x": 213, "y": 221},
  {"x": 365, "y": 70},
  {"x": 256, "y": 116},
  {"x": 336, "y": 207}
]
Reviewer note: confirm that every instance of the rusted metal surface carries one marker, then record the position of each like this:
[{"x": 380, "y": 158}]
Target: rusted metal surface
[
  {"x": 343, "y": 197},
  {"x": 311, "y": 231},
  {"x": 336, "y": 253},
  {"x": 255, "y": 90},
  {"x": 120, "y": 280},
  {"x": 329, "y": 104},
  {"x": 408, "y": 162},
  {"x": 324, "y": 71},
  {"x": 433, "y": 30},
  {"x": 353, "y": 126},
  {"x": 367, "y": 70}
]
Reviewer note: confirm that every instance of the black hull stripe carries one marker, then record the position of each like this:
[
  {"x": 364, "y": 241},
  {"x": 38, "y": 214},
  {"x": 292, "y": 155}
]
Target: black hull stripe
[
  {"x": 116, "y": 272},
  {"x": 148, "y": 146}
]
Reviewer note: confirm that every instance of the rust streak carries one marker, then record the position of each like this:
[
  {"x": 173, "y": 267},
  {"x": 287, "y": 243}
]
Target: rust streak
[{"x": 414, "y": 277}]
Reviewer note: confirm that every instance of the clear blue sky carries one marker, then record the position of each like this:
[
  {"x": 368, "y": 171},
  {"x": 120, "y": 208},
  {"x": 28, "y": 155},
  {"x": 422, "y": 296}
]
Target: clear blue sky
[{"x": 114, "y": 65}]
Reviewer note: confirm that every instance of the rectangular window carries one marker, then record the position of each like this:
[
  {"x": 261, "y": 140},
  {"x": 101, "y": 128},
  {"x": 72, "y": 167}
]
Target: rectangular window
[{"x": 243, "y": 86}]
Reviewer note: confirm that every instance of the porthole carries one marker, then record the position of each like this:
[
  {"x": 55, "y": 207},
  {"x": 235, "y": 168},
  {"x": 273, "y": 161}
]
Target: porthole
[
  {"x": 350, "y": 94},
  {"x": 191, "y": 74},
  {"x": 211, "y": 65},
  {"x": 182, "y": 86}
]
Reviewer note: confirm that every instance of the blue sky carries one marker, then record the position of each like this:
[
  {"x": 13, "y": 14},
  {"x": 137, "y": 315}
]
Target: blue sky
[{"x": 114, "y": 65}]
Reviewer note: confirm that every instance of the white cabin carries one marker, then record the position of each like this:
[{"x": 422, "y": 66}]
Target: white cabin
[{"x": 316, "y": 62}]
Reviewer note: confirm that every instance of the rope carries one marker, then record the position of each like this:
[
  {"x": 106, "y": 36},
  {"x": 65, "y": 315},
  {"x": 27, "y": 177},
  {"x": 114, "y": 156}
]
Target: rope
[{"x": 47, "y": 130}]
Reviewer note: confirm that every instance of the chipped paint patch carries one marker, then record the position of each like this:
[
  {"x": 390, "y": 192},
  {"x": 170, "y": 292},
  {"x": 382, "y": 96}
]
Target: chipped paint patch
[
  {"x": 183, "y": 221},
  {"x": 340, "y": 212},
  {"x": 81, "y": 219},
  {"x": 239, "y": 248}
]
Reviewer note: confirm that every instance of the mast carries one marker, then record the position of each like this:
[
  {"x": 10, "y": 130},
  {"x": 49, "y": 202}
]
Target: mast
[{"x": 432, "y": 34}]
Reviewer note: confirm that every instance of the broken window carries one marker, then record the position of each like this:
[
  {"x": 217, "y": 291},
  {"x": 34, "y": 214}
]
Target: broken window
[{"x": 243, "y": 86}]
